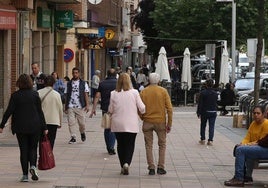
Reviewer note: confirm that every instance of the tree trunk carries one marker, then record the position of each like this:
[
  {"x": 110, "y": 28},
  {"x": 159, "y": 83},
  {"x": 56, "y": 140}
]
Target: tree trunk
[{"x": 261, "y": 26}]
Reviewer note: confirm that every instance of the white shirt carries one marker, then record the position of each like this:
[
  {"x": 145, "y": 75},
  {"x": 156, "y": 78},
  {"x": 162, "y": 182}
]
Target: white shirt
[{"x": 74, "y": 101}]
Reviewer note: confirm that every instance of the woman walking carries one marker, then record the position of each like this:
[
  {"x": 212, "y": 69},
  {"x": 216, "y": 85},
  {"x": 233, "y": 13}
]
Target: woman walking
[
  {"x": 52, "y": 108},
  {"x": 27, "y": 123},
  {"x": 124, "y": 103}
]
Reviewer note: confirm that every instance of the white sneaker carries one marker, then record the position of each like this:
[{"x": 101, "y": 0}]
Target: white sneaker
[
  {"x": 125, "y": 169},
  {"x": 34, "y": 174}
]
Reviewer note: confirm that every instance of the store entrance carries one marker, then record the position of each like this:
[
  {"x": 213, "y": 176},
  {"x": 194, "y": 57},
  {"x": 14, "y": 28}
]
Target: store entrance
[{"x": 1, "y": 73}]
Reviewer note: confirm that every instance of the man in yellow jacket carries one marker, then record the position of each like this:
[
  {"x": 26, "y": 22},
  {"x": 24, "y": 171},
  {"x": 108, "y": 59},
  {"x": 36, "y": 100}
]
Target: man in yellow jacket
[{"x": 158, "y": 106}]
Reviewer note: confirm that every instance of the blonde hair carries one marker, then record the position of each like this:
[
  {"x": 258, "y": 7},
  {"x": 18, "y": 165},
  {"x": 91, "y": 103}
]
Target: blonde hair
[{"x": 123, "y": 83}]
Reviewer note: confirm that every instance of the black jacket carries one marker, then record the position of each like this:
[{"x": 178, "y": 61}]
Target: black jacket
[
  {"x": 105, "y": 88},
  {"x": 207, "y": 101},
  {"x": 27, "y": 115},
  {"x": 263, "y": 142},
  {"x": 227, "y": 97},
  {"x": 82, "y": 94}
]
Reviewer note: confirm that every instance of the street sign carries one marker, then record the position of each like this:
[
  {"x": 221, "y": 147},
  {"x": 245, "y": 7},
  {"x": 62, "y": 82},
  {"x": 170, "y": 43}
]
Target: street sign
[
  {"x": 68, "y": 55},
  {"x": 109, "y": 34}
]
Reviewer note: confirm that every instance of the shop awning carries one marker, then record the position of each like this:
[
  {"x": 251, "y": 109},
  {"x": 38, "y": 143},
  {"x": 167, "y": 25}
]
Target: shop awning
[{"x": 8, "y": 17}]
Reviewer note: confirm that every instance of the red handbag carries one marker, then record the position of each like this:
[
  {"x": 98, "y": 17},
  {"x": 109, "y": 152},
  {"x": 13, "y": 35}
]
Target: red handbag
[{"x": 46, "y": 159}]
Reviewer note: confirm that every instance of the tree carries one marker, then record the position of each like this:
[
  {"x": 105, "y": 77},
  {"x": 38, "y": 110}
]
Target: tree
[
  {"x": 181, "y": 23},
  {"x": 261, "y": 28}
]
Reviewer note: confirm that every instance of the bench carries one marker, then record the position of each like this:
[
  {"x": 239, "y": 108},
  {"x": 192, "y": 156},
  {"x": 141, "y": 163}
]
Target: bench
[
  {"x": 232, "y": 109},
  {"x": 261, "y": 164}
]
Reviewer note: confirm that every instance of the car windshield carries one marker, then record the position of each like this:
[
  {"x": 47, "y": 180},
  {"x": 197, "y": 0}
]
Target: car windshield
[{"x": 244, "y": 84}]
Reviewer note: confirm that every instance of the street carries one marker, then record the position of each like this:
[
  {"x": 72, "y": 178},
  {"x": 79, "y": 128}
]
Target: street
[{"x": 88, "y": 165}]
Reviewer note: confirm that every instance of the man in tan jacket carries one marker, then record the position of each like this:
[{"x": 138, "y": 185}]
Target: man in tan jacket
[{"x": 158, "y": 105}]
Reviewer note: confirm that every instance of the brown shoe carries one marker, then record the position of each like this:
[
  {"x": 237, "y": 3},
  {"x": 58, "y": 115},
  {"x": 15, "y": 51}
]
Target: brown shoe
[
  {"x": 234, "y": 183},
  {"x": 202, "y": 142},
  {"x": 210, "y": 143}
]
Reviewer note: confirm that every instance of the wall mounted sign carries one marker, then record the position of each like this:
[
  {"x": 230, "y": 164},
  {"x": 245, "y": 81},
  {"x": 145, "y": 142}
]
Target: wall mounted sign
[
  {"x": 8, "y": 19},
  {"x": 43, "y": 17},
  {"x": 68, "y": 55},
  {"x": 64, "y": 19},
  {"x": 109, "y": 34}
]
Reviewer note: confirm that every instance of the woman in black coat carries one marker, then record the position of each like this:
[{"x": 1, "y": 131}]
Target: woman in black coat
[{"x": 27, "y": 123}]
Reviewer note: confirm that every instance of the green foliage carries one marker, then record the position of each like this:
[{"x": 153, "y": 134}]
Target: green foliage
[{"x": 177, "y": 24}]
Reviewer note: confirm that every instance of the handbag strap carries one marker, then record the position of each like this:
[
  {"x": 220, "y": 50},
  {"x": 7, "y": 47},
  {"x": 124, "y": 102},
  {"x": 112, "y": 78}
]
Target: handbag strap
[{"x": 46, "y": 94}]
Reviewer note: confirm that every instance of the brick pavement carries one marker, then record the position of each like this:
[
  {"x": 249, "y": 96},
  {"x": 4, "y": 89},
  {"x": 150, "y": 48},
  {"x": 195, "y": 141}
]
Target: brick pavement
[{"x": 188, "y": 164}]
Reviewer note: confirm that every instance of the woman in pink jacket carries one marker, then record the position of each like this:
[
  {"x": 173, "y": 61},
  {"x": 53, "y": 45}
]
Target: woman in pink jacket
[{"x": 124, "y": 103}]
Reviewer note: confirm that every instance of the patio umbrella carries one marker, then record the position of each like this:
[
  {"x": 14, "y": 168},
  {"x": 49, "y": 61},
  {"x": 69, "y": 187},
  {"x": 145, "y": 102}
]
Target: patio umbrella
[
  {"x": 162, "y": 65},
  {"x": 224, "y": 71},
  {"x": 186, "y": 76}
]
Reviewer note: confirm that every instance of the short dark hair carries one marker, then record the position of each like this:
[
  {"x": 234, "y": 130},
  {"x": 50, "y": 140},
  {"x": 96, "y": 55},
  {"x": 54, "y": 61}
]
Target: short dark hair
[
  {"x": 49, "y": 80},
  {"x": 24, "y": 82},
  {"x": 261, "y": 107},
  {"x": 76, "y": 68},
  {"x": 209, "y": 83},
  {"x": 228, "y": 86},
  {"x": 35, "y": 63},
  {"x": 111, "y": 73},
  {"x": 66, "y": 78}
]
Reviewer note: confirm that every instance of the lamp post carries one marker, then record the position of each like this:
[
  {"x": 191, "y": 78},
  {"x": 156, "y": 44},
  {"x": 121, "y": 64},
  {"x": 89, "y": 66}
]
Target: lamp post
[
  {"x": 233, "y": 35},
  {"x": 233, "y": 39}
]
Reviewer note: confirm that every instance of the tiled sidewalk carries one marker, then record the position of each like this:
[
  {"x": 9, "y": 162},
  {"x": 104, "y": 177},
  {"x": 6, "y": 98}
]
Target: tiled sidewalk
[{"x": 188, "y": 164}]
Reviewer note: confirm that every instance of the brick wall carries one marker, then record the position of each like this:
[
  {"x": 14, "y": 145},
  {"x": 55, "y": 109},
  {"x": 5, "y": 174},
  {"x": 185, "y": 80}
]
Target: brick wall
[
  {"x": 14, "y": 66},
  {"x": 79, "y": 10}
]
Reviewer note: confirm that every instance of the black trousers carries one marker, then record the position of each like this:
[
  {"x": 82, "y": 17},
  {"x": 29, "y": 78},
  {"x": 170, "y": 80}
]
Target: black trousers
[
  {"x": 52, "y": 132},
  {"x": 28, "y": 150},
  {"x": 125, "y": 146}
]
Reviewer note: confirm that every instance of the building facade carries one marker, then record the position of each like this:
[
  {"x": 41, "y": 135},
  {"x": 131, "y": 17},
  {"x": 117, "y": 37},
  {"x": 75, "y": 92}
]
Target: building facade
[{"x": 62, "y": 34}]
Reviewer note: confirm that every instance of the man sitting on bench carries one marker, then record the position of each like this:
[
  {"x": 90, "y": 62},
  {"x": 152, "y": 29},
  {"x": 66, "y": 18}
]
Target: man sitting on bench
[{"x": 227, "y": 98}]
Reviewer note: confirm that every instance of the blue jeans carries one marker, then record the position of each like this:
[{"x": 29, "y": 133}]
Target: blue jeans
[
  {"x": 109, "y": 139},
  {"x": 247, "y": 152},
  {"x": 211, "y": 118}
]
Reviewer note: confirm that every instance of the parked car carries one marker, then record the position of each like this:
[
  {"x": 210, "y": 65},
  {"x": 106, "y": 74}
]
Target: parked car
[{"x": 246, "y": 86}]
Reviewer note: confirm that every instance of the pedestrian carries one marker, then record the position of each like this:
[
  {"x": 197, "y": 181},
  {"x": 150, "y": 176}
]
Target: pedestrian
[
  {"x": 59, "y": 86},
  {"x": 256, "y": 131},
  {"x": 257, "y": 150},
  {"x": 37, "y": 77},
  {"x": 141, "y": 78},
  {"x": 95, "y": 83},
  {"x": 132, "y": 77},
  {"x": 52, "y": 108},
  {"x": 158, "y": 107},
  {"x": 227, "y": 98},
  {"x": 141, "y": 86},
  {"x": 207, "y": 111},
  {"x": 77, "y": 104},
  {"x": 104, "y": 92},
  {"x": 27, "y": 123},
  {"x": 124, "y": 102}
]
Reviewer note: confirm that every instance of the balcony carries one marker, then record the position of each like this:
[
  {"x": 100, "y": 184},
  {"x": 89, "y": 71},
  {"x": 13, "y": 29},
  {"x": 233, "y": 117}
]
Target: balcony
[{"x": 64, "y": 1}]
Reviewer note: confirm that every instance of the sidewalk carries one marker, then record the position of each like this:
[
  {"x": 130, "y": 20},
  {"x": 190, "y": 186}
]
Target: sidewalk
[{"x": 88, "y": 165}]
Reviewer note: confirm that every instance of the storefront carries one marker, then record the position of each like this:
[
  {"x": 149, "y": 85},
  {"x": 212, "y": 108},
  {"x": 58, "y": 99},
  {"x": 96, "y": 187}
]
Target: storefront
[{"x": 7, "y": 50}]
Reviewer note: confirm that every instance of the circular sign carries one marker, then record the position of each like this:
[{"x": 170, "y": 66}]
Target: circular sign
[
  {"x": 94, "y": 2},
  {"x": 68, "y": 55},
  {"x": 109, "y": 34}
]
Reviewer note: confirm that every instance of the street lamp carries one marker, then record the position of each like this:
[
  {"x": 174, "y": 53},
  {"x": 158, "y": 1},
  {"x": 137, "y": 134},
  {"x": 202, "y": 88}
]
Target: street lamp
[{"x": 233, "y": 35}]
